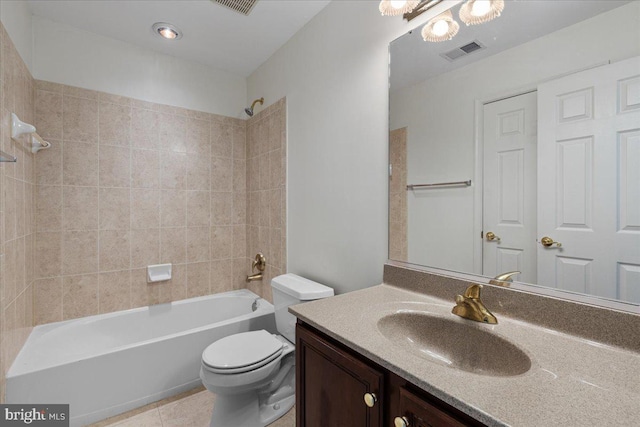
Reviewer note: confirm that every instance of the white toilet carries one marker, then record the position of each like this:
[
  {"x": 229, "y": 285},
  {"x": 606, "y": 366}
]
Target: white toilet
[{"x": 253, "y": 373}]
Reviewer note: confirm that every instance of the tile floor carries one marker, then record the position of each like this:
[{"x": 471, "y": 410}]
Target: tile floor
[{"x": 189, "y": 409}]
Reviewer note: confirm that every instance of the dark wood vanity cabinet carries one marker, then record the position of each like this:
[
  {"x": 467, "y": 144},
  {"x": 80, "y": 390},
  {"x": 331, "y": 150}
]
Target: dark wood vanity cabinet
[
  {"x": 332, "y": 380},
  {"x": 331, "y": 384}
]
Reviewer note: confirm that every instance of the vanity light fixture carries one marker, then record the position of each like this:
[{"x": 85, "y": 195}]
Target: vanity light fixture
[
  {"x": 397, "y": 7},
  {"x": 167, "y": 31},
  {"x": 441, "y": 28},
  {"x": 480, "y": 11}
]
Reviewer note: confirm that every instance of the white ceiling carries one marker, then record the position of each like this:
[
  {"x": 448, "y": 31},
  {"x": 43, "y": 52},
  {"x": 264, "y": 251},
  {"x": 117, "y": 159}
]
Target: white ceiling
[
  {"x": 414, "y": 60},
  {"x": 213, "y": 35}
]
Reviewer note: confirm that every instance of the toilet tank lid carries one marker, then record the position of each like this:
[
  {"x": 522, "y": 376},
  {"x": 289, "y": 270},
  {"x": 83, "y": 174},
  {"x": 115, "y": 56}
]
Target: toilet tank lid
[{"x": 300, "y": 288}]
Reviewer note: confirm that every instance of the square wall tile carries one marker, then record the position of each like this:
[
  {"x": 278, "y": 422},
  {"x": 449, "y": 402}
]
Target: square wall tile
[
  {"x": 173, "y": 245},
  {"x": 221, "y": 242},
  {"x": 221, "y": 207},
  {"x": 198, "y": 278},
  {"x": 145, "y": 247},
  {"x": 115, "y": 166},
  {"x": 49, "y": 164},
  {"x": 197, "y": 244},
  {"x": 115, "y": 249},
  {"x": 173, "y": 208},
  {"x": 80, "y": 208},
  {"x": 145, "y": 208},
  {"x": 115, "y": 208},
  {"x": 48, "y": 254},
  {"x": 145, "y": 169},
  {"x": 173, "y": 170},
  {"x": 145, "y": 129},
  {"x": 80, "y": 119},
  {"x": 115, "y": 124},
  {"x": 221, "y": 139},
  {"x": 80, "y": 252},
  {"x": 47, "y": 300},
  {"x": 114, "y": 290},
  {"x": 49, "y": 114},
  {"x": 173, "y": 132},
  {"x": 80, "y": 296},
  {"x": 198, "y": 208},
  {"x": 80, "y": 164},
  {"x": 49, "y": 208},
  {"x": 221, "y": 276}
]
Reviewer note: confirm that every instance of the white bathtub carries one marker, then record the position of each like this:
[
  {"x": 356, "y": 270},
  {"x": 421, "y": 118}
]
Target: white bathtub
[{"x": 108, "y": 364}]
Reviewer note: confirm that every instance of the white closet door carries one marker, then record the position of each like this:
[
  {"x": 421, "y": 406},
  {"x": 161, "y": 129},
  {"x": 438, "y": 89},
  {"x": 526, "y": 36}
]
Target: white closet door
[
  {"x": 589, "y": 181},
  {"x": 509, "y": 195}
]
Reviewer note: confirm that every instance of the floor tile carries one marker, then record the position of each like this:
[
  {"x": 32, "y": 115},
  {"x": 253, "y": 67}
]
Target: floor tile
[
  {"x": 150, "y": 418},
  {"x": 191, "y": 411}
]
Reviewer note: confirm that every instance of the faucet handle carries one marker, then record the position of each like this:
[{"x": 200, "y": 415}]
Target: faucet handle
[
  {"x": 504, "y": 279},
  {"x": 472, "y": 292}
]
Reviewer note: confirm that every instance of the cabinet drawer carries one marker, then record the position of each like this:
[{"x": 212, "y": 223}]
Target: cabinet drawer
[{"x": 420, "y": 413}]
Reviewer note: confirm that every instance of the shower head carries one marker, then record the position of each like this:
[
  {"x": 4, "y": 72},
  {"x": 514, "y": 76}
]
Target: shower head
[{"x": 249, "y": 110}]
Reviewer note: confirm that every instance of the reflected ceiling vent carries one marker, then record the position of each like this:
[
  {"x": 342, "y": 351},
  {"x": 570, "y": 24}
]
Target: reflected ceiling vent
[
  {"x": 462, "y": 51},
  {"x": 241, "y": 6}
]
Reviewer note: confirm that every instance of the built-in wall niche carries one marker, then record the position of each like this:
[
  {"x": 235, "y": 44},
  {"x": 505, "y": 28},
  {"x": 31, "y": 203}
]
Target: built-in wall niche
[{"x": 542, "y": 122}]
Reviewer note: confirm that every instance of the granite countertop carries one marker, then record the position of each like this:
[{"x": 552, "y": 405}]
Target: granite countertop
[{"x": 572, "y": 380}]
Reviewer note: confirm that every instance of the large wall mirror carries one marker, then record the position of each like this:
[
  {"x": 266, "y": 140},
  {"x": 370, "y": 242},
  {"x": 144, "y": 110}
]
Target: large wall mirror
[{"x": 515, "y": 146}]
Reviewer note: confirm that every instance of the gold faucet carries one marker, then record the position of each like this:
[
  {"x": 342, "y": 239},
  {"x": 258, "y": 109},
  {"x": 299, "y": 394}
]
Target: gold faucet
[
  {"x": 503, "y": 279},
  {"x": 469, "y": 306},
  {"x": 260, "y": 262}
]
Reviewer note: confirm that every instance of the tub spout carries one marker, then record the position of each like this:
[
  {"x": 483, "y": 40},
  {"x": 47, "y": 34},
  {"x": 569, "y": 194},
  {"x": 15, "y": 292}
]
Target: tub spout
[{"x": 257, "y": 276}]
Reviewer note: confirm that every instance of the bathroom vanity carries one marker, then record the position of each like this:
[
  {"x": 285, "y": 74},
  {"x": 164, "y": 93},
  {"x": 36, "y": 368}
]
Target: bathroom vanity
[
  {"x": 394, "y": 355},
  {"x": 359, "y": 391}
]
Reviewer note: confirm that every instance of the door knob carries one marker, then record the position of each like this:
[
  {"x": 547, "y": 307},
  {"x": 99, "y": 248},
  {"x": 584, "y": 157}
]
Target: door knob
[
  {"x": 491, "y": 236},
  {"x": 401, "y": 422},
  {"x": 370, "y": 399},
  {"x": 547, "y": 242}
]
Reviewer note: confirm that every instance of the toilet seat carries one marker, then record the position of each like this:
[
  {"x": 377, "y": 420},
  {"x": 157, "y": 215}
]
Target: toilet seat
[{"x": 242, "y": 352}]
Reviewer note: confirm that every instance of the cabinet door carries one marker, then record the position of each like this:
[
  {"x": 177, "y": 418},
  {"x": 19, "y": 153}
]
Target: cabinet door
[
  {"x": 331, "y": 385},
  {"x": 420, "y": 413}
]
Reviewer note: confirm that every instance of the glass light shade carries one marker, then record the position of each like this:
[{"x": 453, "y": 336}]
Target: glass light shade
[
  {"x": 480, "y": 11},
  {"x": 441, "y": 28},
  {"x": 397, "y": 7}
]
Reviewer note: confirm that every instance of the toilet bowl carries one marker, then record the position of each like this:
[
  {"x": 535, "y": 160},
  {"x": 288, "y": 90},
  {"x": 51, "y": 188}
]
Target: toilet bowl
[{"x": 253, "y": 373}]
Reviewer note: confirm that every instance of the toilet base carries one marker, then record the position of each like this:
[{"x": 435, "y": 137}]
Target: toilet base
[{"x": 244, "y": 411}]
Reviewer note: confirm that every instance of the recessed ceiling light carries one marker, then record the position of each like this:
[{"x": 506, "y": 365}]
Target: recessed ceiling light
[{"x": 167, "y": 31}]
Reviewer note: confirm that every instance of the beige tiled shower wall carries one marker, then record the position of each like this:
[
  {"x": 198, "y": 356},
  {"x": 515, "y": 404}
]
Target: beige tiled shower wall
[
  {"x": 127, "y": 184},
  {"x": 398, "y": 244},
  {"x": 266, "y": 192},
  {"x": 17, "y": 216}
]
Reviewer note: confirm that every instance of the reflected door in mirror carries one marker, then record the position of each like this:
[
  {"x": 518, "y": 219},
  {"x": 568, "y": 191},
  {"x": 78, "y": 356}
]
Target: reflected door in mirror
[
  {"x": 589, "y": 145},
  {"x": 509, "y": 197}
]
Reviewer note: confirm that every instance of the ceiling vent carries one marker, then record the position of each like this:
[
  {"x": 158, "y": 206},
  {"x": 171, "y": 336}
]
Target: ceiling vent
[
  {"x": 241, "y": 6},
  {"x": 462, "y": 51}
]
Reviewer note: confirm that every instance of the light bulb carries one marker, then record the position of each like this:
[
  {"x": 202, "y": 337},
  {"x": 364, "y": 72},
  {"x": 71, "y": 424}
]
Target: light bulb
[
  {"x": 440, "y": 28},
  {"x": 167, "y": 33},
  {"x": 398, "y": 4},
  {"x": 480, "y": 7}
]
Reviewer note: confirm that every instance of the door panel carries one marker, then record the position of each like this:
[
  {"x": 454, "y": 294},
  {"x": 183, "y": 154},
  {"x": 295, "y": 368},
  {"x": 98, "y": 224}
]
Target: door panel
[
  {"x": 509, "y": 156},
  {"x": 589, "y": 181},
  {"x": 575, "y": 183},
  {"x": 629, "y": 181}
]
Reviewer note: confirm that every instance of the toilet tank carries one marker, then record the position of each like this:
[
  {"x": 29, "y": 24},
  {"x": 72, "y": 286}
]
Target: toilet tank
[{"x": 290, "y": 289}]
